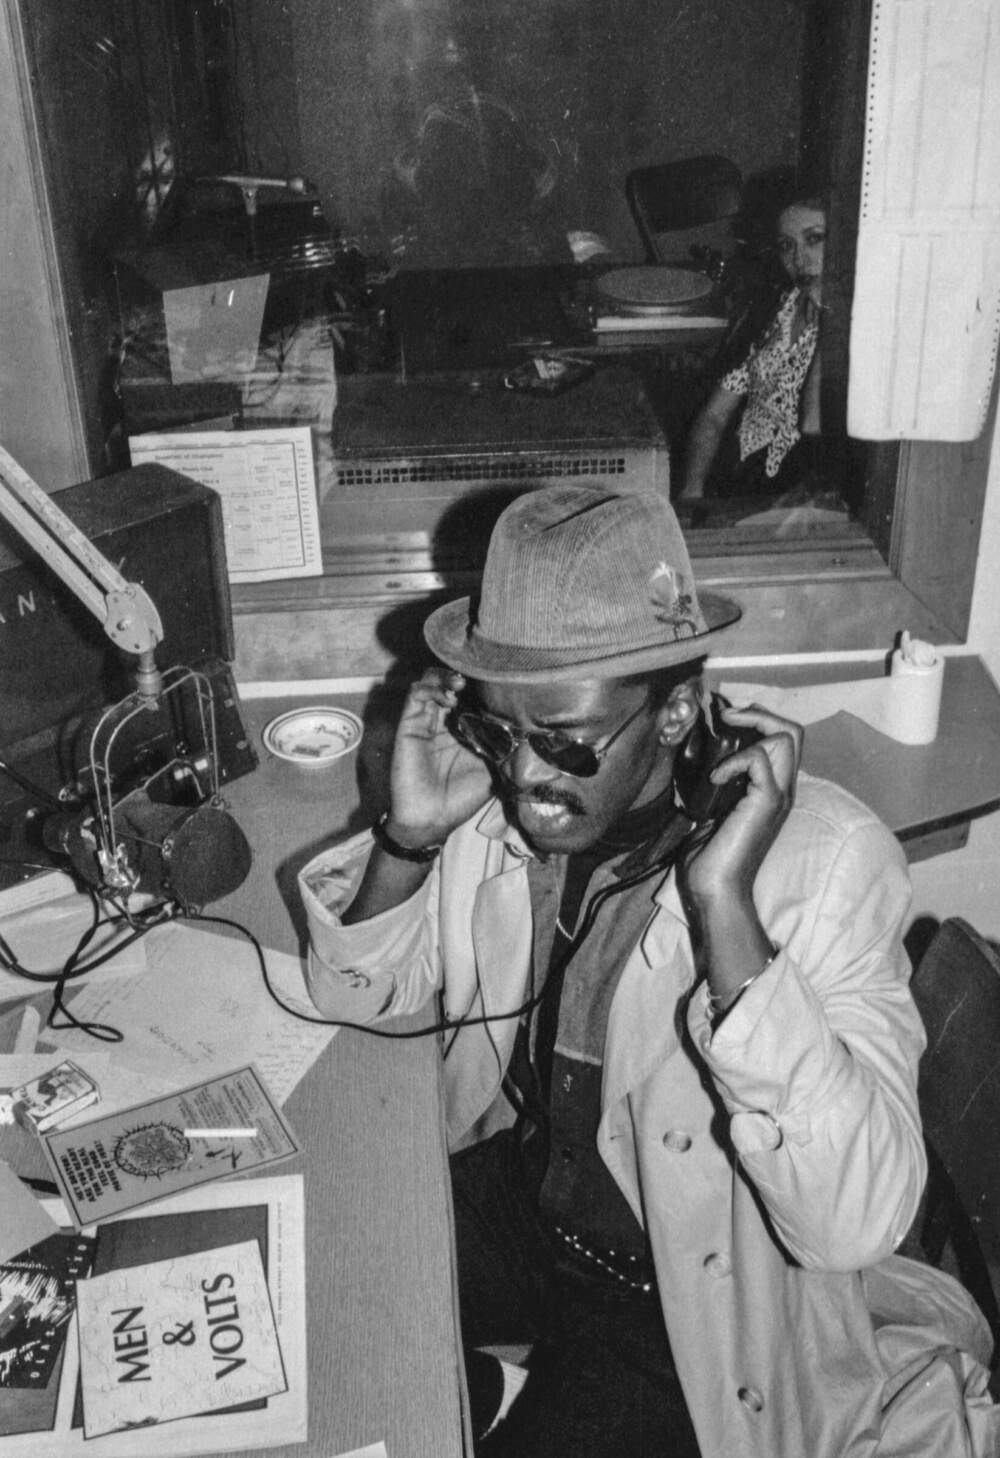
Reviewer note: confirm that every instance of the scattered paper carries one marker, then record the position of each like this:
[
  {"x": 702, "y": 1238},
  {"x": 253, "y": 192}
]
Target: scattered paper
[
  {"x": 200, "y": 1008},
  {"x": 43, "y": 935},
  {"x": 27, "y": 1033},
  {"x": 213, "y": 329},
  {"x": 267, "y": 1211},
  {"x": 24, "y": 1222},
  {"x": 37, "y": 1298},
  {"x": 175, "y": 1338},
  {"x": 116, "y": 1163}
]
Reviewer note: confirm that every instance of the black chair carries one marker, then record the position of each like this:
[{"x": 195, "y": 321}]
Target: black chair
[
  {"x": 956, "y": 986},
  {"x": 675, "y": 198}
]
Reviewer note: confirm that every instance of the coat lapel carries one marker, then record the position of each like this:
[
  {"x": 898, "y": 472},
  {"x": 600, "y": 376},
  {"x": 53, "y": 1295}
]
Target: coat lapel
[{"x": 644, "y": 1022}]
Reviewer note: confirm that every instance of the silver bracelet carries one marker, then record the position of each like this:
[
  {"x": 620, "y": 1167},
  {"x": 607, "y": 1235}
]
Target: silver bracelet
[{"x": 714, "y": 1001}]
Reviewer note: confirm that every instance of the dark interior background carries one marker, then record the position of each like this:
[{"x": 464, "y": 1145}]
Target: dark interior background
[{"x": 363, "y": 97}]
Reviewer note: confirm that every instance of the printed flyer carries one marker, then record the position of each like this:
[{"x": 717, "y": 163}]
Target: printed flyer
[{"x": 227, "y": 1125}]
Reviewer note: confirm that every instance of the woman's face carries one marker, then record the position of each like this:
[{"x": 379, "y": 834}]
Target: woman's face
[{"x": 801, "y": 235}]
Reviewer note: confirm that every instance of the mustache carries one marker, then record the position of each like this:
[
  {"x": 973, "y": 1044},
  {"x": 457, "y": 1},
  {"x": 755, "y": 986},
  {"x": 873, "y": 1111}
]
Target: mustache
[{"x": 543, "y": 795}]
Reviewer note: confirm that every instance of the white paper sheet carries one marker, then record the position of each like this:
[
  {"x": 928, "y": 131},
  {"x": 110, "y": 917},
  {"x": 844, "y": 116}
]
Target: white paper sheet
[
  {"x": 267, "y": 482},
  {"x": 201, "y": 1008},
  {"x": 213, "y": 329},
  {"x": 121, "y": 1086},
  {"x": 42, "y": 936},
  {"x": 926, "y": 313}
]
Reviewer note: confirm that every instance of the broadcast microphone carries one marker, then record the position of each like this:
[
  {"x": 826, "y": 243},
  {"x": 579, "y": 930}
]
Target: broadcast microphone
[
  {"x": 189, "y": 855},
  {"x": 146, "y": 813}
]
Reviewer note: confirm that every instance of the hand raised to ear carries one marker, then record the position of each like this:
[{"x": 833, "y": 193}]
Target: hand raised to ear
[
  {"x": 724, "y": 861},
  {"x": 435, "y": 782}
]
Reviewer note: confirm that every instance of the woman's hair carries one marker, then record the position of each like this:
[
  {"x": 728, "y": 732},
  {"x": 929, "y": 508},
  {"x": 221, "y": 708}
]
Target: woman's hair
[
  {"x": 768, "y": 194},
  {"x": 803, "y": 197}
]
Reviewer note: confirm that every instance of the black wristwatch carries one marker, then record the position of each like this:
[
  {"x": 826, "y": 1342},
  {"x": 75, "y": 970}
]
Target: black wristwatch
[{"x": 393, "y": 847}]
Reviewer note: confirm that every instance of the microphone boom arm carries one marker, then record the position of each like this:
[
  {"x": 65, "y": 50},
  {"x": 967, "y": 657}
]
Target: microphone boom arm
[
  {"x": 149, "y": 839},
  {"x": 124, "y": 609}
]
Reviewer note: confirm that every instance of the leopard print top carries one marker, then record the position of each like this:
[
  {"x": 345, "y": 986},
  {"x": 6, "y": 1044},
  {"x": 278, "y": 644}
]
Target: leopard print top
[{"x": 771, "y": 377}]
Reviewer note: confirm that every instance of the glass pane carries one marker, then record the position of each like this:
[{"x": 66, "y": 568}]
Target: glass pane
[{"x": 262, "y": 205}]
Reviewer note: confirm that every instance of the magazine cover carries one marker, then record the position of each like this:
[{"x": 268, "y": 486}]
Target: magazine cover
[
  {"x": 176, "y": 1337},
  {"x": 266, "y": 1214},
  {"x": 37, "y": 1297}
]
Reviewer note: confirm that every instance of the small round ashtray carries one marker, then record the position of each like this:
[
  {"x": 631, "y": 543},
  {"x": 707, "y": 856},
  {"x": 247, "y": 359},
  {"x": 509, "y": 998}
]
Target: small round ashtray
[{"x": 313, "y": 736}]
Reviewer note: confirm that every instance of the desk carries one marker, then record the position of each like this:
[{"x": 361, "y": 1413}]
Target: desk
[
  {"x": 382, "y": 1335},
  {"x": 382, "y": 1332},
  {"x": 489, "y": 318},
  {"x": 925, "y": 793}
]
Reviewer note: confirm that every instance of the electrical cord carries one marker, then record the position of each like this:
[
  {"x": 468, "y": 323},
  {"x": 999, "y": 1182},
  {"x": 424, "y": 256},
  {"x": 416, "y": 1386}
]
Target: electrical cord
[
  {"x": 447, "y": 1025},
  {"x": 77, "y": 965}
]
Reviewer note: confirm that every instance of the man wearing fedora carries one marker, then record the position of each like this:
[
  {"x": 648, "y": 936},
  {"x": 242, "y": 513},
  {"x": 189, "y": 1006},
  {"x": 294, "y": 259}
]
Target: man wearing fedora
[{"x": 680, "y": 1053}]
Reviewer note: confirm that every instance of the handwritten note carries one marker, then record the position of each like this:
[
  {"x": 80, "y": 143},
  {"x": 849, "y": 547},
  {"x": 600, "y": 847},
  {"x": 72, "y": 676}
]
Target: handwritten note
[{"x": 201, "y": 1007}]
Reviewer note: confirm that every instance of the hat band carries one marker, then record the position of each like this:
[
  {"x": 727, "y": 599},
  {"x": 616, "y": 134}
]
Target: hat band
[{"x": 585, "y": 651}]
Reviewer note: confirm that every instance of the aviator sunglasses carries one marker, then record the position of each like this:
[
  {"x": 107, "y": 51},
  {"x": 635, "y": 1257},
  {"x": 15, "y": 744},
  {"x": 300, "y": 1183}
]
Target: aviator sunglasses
[{"x": 496, "y": 741}]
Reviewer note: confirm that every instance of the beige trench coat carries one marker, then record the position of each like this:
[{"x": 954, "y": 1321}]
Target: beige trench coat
[{"x": 777, "y": 1164}]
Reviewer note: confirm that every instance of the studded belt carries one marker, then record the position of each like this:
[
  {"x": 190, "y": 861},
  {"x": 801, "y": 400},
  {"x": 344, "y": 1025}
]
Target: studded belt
[{"x": 629, "y": 1271}]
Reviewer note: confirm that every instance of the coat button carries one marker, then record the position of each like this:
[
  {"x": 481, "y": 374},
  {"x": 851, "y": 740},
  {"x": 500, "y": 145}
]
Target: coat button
[
  {"x": 717, "y": 1264},
  {"x": 677, "y": 1140},
  {"x": 751, "y": 1399}
]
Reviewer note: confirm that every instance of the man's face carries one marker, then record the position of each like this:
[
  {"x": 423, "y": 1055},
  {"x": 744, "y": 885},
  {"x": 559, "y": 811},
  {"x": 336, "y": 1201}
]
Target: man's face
[{"x": 556, "y": 813}]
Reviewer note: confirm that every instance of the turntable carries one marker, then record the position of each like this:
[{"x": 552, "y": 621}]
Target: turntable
[{"x": 652, "y": 290}]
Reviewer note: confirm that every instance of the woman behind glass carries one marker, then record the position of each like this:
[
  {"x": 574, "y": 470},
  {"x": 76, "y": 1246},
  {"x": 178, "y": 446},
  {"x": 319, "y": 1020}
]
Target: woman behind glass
[{"x": 776, "y": 387}]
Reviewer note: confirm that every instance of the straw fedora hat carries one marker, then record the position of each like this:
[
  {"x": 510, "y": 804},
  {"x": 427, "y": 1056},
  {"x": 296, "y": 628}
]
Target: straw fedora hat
[{"x": 580, "y": 582}]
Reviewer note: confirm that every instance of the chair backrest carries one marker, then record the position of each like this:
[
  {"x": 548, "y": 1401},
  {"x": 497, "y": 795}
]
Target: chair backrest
[
  {"x": 672, "y": 197},
  {"x": 956, "y": 986}
]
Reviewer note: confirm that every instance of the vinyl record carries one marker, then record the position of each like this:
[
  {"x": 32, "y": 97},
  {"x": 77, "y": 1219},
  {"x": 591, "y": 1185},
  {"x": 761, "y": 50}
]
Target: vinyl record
[{"x": 653, "y": 289}]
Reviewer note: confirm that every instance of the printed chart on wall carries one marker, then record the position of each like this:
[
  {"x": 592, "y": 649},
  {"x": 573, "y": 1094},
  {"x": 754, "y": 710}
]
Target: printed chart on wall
[{"x": 267, "y": 483}]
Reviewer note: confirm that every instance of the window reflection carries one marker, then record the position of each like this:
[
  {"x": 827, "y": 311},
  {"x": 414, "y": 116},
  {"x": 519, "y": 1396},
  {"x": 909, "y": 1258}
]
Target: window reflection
[
  {"x": 759, "y": 431},
  {"x": 463, "y": 169}
]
